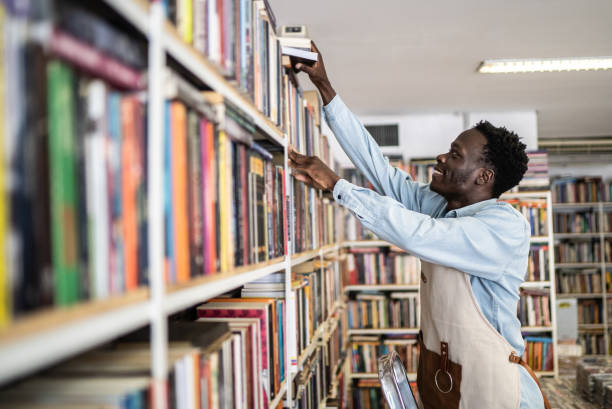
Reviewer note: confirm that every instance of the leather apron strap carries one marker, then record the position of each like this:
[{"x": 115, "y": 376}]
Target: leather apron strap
[{"x": 518, "y": 360}]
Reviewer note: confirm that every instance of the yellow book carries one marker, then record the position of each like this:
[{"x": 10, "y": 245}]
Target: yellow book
[
  {"x": 5, "y": 299},
  {"x": 184, "y": 20}
]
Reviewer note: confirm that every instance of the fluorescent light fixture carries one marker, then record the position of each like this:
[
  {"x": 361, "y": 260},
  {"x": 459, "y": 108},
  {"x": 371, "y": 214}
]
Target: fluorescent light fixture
[{"x": 545, "y": 64}]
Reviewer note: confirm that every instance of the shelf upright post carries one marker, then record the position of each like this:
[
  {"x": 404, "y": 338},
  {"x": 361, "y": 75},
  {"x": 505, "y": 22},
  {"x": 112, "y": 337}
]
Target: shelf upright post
[
  {"x": 159, "y": 328},
  {"x": 290, "y": 308},
  {"x": 602, "y": 272},
  {"x": 553, "y": 280}
]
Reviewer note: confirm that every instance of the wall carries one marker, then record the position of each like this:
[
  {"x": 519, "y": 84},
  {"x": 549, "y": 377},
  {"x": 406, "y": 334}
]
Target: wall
[{"x": 427, "y": 135}]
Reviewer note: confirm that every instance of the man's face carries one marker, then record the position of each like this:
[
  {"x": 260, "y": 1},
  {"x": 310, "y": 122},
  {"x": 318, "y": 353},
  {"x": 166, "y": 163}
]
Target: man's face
[{"x": 456, "y": 172}]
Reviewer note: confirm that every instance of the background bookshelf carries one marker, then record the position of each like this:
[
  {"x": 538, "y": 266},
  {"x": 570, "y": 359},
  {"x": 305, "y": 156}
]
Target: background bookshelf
[
  {"x": 167, "y": 93},
  {"x": 381, "y": 284},
  {"x": 583, "y": 231},
  {"x": 536, "y": 307}
]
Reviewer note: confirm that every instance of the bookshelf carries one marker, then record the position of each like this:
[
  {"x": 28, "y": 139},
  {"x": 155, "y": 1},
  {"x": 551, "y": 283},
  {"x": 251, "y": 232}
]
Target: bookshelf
[
  {"x": 44, "y": 337},
  {"x": 540, "y": 280},
  {"x": 585, "y": 273}
]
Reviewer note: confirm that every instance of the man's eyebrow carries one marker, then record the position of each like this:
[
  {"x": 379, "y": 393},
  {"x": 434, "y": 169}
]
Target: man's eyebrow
[{"x": 456, "y": 146}]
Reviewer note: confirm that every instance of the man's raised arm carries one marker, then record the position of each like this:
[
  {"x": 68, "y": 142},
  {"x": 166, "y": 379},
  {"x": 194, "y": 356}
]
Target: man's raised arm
[{"x": 363, "y": 150}]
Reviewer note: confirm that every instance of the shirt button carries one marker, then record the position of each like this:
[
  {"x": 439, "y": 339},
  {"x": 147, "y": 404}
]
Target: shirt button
[{"x": 339, "y": 197}]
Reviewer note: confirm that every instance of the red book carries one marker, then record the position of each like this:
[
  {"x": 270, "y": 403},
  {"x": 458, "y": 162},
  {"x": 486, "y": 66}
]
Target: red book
[
  {"x": 285, "y": 229},
  {"x": 93, "y": 61},
  {"x": 208, "y": 193}
]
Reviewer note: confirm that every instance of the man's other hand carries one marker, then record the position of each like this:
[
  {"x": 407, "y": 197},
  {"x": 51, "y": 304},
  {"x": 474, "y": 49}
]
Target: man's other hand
[
  {"x": 318, "y": 76},
  {"x": 312, "y": 171}
]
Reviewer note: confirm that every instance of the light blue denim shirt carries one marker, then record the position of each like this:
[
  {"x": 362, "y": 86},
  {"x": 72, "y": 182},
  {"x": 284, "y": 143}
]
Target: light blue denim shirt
[{"x": 488, "y": 240}]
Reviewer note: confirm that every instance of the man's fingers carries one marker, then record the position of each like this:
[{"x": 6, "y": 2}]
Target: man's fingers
[
  {"x": 297, "y": 157},
  {"x": 305, "y": 68}
]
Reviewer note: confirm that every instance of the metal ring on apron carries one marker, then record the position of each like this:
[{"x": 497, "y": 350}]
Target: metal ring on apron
[{"x": 449, "y": 377}]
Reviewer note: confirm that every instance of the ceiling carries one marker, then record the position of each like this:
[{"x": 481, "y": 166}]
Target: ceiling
[{"x": 393, "y": 57}]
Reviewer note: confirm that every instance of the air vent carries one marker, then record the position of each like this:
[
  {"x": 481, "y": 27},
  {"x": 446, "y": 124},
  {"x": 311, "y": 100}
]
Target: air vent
[{"x": 384, "y": 135}]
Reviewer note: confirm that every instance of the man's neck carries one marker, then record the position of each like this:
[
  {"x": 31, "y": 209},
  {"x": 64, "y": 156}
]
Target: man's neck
[{"x": 457, "y": 203}]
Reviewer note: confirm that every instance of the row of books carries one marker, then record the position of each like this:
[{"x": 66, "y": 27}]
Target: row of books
[
  {"x": 367, "y": 349},
  {"x": 538, "y": 267},
  {"x": 590, "y": 311},
  {"x": 592, "y": 343},
  {"x": 367, "y": 394},
  {"x": 421, "y": 170},
  {"x": 539, "y": 353},
  {"x": 579, "y": 190},
  {"x": 213, "y": 363},
  {"x": 576, "y": 222},
  {"x": 534, "y": 308},
  {"x": 266, "y": 319},
  {"x": 579, "y": 281},
  {"x": 238, "y": 37},
  {"x": 607, "y": 222},
  {"x": 587, "y": 251},
  {"x": 74, "y": 108},
  {"x": 224, "y": 203},
  {"x": 535, "y": 211},
  {"x": 310, "y": 385},
  {"x": 377, "y": 310},
  {"x": 376, "y": 266}
]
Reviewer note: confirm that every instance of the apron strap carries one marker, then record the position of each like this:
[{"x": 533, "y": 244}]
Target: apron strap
[{"x": 518, "y": 360}]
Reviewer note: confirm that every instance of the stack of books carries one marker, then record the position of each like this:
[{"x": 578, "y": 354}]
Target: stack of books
[
  {"x": 537, "y": 268},
  {"x": 581, "y": 281},
  {"x": 534, "y": 308},
  {"x": 535, "y": 211},
  {"x": 367, "y": 349},
  {"x": 374, "y": 265},
  {"x": 587, "y": 251},
  {"x": 536, "y": 177},
  {"x": 378, "y": 310},
  {"x": 539, "y": 353},
  {"x": 583, "y": 221},
  {"x": 578, "y": 190}
]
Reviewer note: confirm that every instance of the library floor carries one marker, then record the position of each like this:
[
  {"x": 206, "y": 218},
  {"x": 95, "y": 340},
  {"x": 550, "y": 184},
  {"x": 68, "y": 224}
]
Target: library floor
[{"x": 562, "y": 392}]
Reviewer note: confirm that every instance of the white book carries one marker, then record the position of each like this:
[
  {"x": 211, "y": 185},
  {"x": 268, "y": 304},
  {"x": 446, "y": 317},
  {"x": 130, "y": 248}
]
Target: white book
[
  {"x": 307, "y": 57},
  {"x": 97, "y": 190},
  {"x": 296, "y": 42}
]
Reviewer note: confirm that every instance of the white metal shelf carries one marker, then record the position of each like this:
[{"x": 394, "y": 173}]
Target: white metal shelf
[
  {"x": 207, "y": 287},
  {"x": 537, "y": 329},
  {"x": 23, "y": 355},
  {"x": 577, "y": 265},
  {"x": 381, "y": 287},
  {"x": 372, "y": 375},
  {"x": 381, "y": 331},
  {"x": 535, "y": 284},
  {"x": 580, "y": 295}
]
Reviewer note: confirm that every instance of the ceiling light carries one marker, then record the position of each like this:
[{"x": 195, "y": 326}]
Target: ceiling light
[{"x": 545, "y": 64}]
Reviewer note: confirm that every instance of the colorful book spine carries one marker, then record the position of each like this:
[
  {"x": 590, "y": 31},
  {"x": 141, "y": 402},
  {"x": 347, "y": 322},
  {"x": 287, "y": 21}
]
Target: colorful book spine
[
  {"x": 62, "y": 139},
  {"x": 5, "y": 299}
]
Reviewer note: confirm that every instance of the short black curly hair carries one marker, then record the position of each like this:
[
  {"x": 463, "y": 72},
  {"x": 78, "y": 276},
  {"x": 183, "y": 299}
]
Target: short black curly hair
[{"x": 505, "y": 153}]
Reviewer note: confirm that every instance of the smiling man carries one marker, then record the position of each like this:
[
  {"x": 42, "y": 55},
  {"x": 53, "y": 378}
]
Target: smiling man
[{"x": 473, "y": 249}]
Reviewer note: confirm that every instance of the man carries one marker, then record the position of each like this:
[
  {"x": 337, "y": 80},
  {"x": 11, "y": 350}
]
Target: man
[{"x": 473, "y": 248}]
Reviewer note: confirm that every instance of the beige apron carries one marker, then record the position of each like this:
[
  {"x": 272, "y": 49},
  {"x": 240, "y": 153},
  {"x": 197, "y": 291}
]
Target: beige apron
[{"x": 464, "y": 362}]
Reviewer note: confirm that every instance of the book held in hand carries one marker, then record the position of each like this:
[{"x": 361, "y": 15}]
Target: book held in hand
[{"x": 300, "y": 55}]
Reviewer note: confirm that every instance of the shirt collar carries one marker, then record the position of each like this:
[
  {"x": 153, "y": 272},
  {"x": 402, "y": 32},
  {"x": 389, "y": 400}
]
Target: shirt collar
[{"x": 472, "y": 209}]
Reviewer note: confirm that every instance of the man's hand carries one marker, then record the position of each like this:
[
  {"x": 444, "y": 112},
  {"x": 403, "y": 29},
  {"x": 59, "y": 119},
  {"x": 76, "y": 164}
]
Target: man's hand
[
  {"x": 312, "y": 171},
  {"x": 318, "y": 76}
]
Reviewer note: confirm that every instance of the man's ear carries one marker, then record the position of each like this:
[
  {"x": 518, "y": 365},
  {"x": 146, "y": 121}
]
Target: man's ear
[{"x": 485, "y": 176}]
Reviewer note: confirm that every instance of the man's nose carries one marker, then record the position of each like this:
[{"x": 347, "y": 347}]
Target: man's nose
[{"x": 441, "y": 158}]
